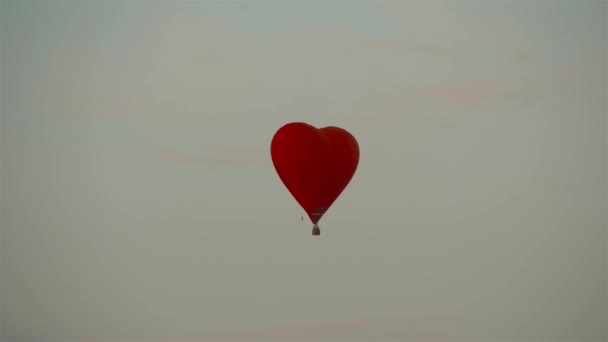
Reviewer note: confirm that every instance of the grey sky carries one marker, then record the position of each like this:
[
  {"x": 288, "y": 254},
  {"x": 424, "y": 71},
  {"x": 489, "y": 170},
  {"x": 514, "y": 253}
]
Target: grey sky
[{"x": 139, "y": 200}]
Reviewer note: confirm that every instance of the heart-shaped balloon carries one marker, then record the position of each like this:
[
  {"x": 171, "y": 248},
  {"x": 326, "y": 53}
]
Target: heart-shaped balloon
[{"x": 315, "y": 164}]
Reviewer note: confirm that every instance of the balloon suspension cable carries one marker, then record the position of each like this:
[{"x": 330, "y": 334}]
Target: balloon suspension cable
[{"x": 316, "y": 230}]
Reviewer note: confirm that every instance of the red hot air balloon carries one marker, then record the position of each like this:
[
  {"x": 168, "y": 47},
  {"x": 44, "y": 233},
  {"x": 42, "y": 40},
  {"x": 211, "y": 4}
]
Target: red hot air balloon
[{"x": 315, "y": 164}]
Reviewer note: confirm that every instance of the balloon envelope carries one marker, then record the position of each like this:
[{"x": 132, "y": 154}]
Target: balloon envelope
[{"x": 315, "y": 164}]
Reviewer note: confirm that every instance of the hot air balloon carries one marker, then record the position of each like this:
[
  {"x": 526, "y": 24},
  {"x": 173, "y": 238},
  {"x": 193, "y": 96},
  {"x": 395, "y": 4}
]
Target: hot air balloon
[{"x": 314, "y": 164}]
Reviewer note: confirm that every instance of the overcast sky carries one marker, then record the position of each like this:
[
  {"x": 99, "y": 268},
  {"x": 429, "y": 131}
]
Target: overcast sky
[{"x": 139, "y": 200}]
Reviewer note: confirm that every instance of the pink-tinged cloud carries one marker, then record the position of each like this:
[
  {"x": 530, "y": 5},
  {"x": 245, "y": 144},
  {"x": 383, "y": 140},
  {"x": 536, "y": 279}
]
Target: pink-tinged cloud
[
  {"x": 568, "y": 74},
  {"x": 380, "y": 106},
  {"x": 177, "y": 158},
  {"x": 464, "y": 95},
  {"x": 229, "y": 157},
  {"x": 467, "y": 94},
  {"x": 521, "y": 52},
  {"x": 369, "y": 116},
  {"x": 421, "y": 328}
]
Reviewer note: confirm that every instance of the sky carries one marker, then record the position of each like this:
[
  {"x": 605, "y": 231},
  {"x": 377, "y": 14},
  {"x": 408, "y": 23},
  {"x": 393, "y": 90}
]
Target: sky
[{"x": 139, "y": 200}]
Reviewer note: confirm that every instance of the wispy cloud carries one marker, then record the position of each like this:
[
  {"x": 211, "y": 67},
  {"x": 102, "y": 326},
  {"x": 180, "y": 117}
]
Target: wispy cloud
[
  {"x": 444, "y": 96},
  {"x": 521, "y": 52},
  {"x": 568, "y": 74},
  {"x": 430, "y": 328},
  {"x": 466, "y": 94},
  {"x": 178, "y": 158},
  {"x": 228, "y": 157}
]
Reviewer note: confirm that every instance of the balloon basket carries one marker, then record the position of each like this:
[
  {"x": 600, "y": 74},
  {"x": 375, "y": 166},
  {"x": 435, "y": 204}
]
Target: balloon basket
[{"x": 316, "y": 230}]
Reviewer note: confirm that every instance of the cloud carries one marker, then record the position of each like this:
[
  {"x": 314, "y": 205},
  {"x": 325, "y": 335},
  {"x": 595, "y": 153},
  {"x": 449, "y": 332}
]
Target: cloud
[
  {"x": 471, "y": 94},
  {"x": 568, "y": 74},
  {"x": 369, "y": 116},
  {"x": 177, "y": 158},
  {"x": 431, "y": 328},
  {"x": 521, "y": 52},
  {"x": 227, "y": 157}
]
